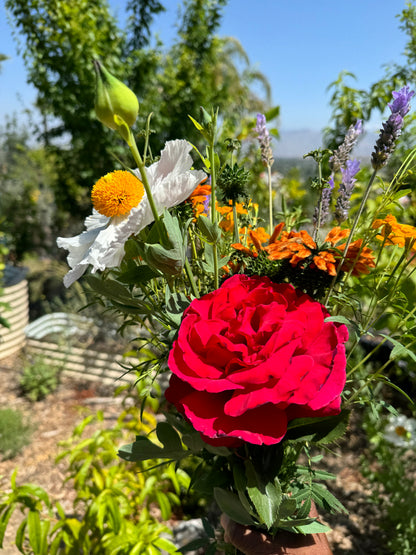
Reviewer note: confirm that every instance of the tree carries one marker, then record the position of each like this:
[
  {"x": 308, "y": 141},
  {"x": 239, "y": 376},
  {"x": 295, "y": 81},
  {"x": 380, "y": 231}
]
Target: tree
[{"x": 60, "y": 39}]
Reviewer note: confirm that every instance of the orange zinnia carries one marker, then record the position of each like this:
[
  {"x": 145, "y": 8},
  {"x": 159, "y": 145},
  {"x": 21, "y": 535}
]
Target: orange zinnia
[
  {"x": 394, "y": 233},
  {"x": 362, "y": 262},
  {"x": 294, "y": 245}
]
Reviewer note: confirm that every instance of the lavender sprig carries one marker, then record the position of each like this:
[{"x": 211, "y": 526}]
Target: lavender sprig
[
  {"x": 392, "y": 128},
  {"x": 264, "y": 140},
  {"x": 341, "y": 154},
  {"x": 267, "y": 159},
  {"x": 342, "y": 206},
  {"x": 324, "y": 204}
]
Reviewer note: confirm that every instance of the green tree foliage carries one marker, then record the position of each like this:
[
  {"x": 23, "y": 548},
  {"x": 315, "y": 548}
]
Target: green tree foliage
[
  {"x": 59, "y": 38},
  {"x": 27, "y": 208}
]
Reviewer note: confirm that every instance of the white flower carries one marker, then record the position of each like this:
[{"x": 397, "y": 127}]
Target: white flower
[
  {"x": 101, "y": 246},
  {"x": 401, "y": 431}
]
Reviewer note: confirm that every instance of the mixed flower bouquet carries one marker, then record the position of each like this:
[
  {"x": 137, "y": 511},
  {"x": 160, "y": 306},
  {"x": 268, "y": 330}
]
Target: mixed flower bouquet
[{"x": 257, "y": 326}]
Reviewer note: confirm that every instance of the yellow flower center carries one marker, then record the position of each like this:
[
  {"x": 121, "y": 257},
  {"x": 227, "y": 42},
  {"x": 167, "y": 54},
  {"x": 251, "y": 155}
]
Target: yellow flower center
[
  {"x": 400, "y": 431},
  {"x": 117, "y": 193}
]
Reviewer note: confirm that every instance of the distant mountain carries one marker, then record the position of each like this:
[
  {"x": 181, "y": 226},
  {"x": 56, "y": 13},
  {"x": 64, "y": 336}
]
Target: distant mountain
[{"x": 297, "y": 142}]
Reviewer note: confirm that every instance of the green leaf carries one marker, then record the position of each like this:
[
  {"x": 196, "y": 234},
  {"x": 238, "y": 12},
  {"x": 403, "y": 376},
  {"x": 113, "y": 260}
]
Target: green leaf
[
  {"x": 399, "y": 350},
  {"x": 164, "y": 505},
  {"x": 266, "y": 497},
  {"x": 138, "y": 274},
  {"x": 167, "y": 435},
  {"x": 304, "y": 526},
  {"x": 210, "y": 231},
  {"x": 230, "y": 504},
  {"x": 194, "y": 545},
  {"x": 339, "y": 320},
  {"x": 324, "y": 498},
  {"x": 318, "y": 430},
  {"x": 4, "y": 519},
  {"x": 116, "y": 292},
  {"x": 164, "y": 544},
  {"x": 143, "y": 449},
  {"x": 272, "y": 113},
  {"x": 287, "y": 507},
  {"x": 34, "y": 531}
]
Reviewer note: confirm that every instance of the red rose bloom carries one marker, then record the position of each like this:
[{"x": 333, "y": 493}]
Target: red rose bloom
[{"x": 253, "y": 355}]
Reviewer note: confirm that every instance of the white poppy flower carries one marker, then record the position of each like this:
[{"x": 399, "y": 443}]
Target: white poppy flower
[
  {"x": 401, "y": 431},
  {"x": 122, "y": 209}
]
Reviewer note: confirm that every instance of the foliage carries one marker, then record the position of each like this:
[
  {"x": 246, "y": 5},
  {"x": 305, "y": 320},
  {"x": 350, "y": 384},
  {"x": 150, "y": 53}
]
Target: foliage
[
  {"x": 390, "y": 471},
  {"x": 14, "y": 432},
  {"x": 113, "y": 502},
  {"x": 38, "y": 378},
  {"x": 60, "y": 40},
  {"x": 28, "y": 216},
  {"x": 199, "y": 69}
]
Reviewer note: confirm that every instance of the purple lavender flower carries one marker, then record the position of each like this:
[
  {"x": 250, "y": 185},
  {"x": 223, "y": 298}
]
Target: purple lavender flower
[
  {"x": 324, "y": 204},
  {"x": 392, "y": 128},
  {"x": 342, "y": 206},
  {"x": 341, "y": 154},
  {"x": 264, "y": 140}
]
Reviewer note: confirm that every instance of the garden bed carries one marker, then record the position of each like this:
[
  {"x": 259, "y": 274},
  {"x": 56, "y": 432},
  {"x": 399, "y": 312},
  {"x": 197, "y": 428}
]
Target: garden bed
[{"x": 58, "y": 337}]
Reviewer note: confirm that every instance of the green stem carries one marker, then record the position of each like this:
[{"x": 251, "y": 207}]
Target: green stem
[
  {"x": 140, "y": 164},
  {"x": 191, "y": 278},
  {"x": 269, "y": 180},
  {"x": 318, "y": 219},
  {"x": 350, "y": 237},
  {"x": 235, "y": 223},
  {"x": 213, "y": 207}
]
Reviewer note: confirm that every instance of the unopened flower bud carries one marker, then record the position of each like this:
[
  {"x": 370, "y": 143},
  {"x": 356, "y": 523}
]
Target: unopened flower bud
[{"x": 113, "y": 98}]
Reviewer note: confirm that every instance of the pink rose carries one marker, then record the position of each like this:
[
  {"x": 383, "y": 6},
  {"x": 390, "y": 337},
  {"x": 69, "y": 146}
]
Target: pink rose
[{"x": 253, "y": 355}]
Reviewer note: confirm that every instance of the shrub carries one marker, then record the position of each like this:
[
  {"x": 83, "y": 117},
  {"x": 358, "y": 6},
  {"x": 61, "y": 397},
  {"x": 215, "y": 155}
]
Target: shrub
[
  {"x": 114, "y": 501},
  {"x": 38, "y": 379},
  {"x": 14, "y": 433}
]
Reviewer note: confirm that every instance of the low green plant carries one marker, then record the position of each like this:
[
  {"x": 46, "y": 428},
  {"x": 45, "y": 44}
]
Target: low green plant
[
  {"x": 14, "y": 433},
  {"x": 391, "y": 470},
  {"x": 38, "y": 378},
  {"x": 114, "y": 502}
]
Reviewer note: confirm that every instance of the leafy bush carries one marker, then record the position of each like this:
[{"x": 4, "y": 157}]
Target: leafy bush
[
  {"x": 38, "y": 379},
  {"x": 14, "y": 432},
  {"x": 113, "y": 510}
]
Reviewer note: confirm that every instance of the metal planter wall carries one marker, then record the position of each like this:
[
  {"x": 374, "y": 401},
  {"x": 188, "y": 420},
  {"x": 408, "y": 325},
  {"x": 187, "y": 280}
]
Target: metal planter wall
[{"x": 16, "y": 313}]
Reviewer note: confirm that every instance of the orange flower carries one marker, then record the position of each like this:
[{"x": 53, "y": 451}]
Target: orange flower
[
  {"x": 326, "y": 262},
  {"x": 360, "y": 265},
  {"x": 336, "y": 235},
  {"x": 295, "y": 245},
  {"x": 255, "y": 239},
  {"x": 227, "y": 222},
  {"x": 394, "y": 233},
  {"x": 199, "y": 198}
]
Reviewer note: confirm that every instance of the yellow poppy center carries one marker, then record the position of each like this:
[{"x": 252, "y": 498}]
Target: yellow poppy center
[
  {"x": 117, "y": 193},
  {"x": 401, "y": 431}
]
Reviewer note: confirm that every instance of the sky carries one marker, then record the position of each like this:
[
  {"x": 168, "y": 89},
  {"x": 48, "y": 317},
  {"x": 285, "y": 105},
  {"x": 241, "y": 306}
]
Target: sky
[{"x": 301, "y": 46}]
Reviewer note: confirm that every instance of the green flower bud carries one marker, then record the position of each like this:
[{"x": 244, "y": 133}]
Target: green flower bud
[{"x": 113, "y": 98}]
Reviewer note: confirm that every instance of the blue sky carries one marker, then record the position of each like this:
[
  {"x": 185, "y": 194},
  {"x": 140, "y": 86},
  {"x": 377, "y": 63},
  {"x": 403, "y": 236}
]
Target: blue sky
[{"x": 300, "y": 45}]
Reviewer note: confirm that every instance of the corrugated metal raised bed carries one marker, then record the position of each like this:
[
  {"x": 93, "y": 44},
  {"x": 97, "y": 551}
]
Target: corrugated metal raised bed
[
  {"x": 16, "y": 298},
  {"x": 78, "y": 362}
]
